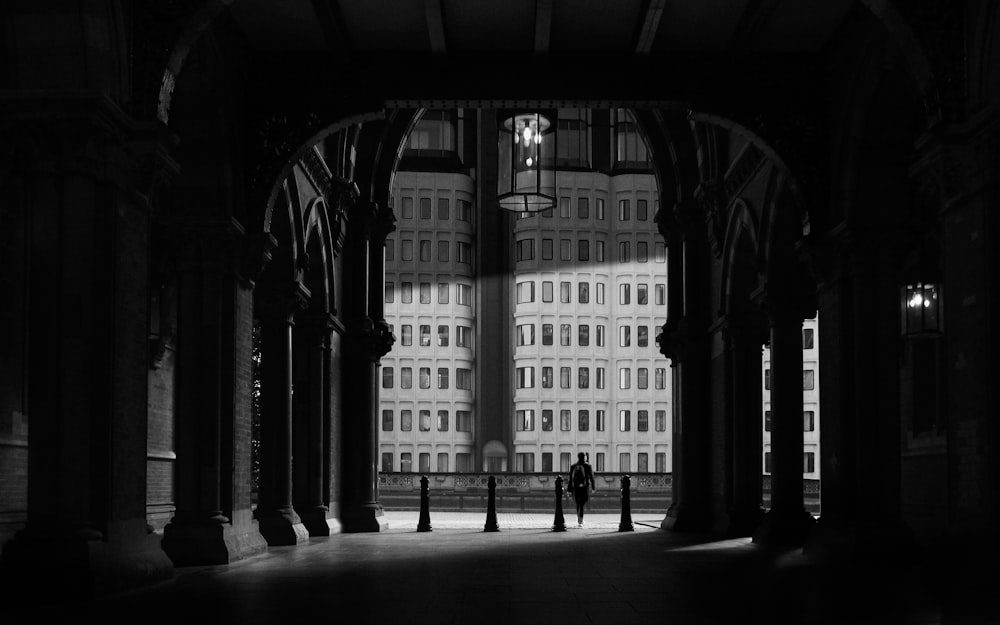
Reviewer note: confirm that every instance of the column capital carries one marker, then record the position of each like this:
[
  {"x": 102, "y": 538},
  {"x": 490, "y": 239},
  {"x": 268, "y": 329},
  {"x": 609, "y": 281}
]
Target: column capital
[
  {"x": 372, "y": 338},
  {"x": 280, "y": 302},
  {"x": 679, "y": 341}
]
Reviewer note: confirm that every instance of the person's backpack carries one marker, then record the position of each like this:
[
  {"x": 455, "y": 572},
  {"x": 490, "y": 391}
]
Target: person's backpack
[{"x": 579, "y": 478}]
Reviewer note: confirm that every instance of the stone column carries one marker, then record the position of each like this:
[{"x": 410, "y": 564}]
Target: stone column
[
  {"x": 684, "y": 341},
  {"x": 744, "y": 343},
  {"x": 787, "y": 523},
  {"x": 212, "y": 523},
  {"x": 81, "y": 167},
  {"x": 276, "y": 305},
  {"x": 312, "y": 414},
  {"x": 368, "y": 339}
]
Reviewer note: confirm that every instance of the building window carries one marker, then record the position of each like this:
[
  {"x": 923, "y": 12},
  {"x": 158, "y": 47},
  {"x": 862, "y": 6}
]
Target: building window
[
  {"x": 390, "y": 250},
  {"x": 659, "y": 252},
  {"x": 767, "y": 420},
  {"x": 564, "y": 462},
  {"x": 623, "y": 252},
  {"x": 546, "y": 334},
  {"x": 546, "y": 462},
  {"x": 767, "y": 379},
  {"x": 425, "y": 463},
  {"x": 661, "y": 462},
  {"x": 660, "y": 374},
  {"x": 565, "y": 247},
  {"x": 642, "y": 378},
  {"x": 425, "y": 377},
  {"x": 386, "y": 420},
  {"x": 387, "y": 461},
  {"x": 564, "y": 292},
  {"x": 525, "y": 249},
  {"x": 525, "y": 377},
  {"x": 442, "y": 251},
  {"x": 625, "y": 462},
  {"x": 547, "y": 419},
  {"x": 425, "y": 336},
  {"x": 624, "y": 378},
  {"x": 565, "y": 420},
  {"x": 661, "y": 294},
  {"x": 583, "y": 250},
  {"x": 583, "y": 421},
  {"x": 405, "y": 420},
  {"x": 600, "y": 208},
  {"x": 640, "y": 210},
  {"x": 642, "y": 294},
  {"x": 406, "y": 377},
  {"x": 808, "y": 380},
  {"x": 463, "y": 379},
  {"x": 386, "y": 377},
  {"x": 463, "y": 210},
  {"x": 623, "y": 210},
  {"x": 599, "y": 251},
  {"x": 565, "y": 331},
  {"x": 464, "y": 295},
  {"x": 600, "y": 335},
  {"x": 442, "y": 377},
  {"x": 809, "y": 462},
  {"x": 564, "y": 375},
  {"x": 583, "y": 377},
  {"x": 624, "y": 336},
  {"x": 642, "y": 336},
  {"x": 583, "y": 292},
  {"x": 808, "y": 421},
  {"x": 600, "y": 377},
  {"x": 425, "y": 292},
  {"x": 547, "y": 291},
  {"x": 406, "y": 462},
  {"x": 406, "y": 295},
  {"x": 767, "y": 462},
  {"x": 661, "y": 420},
  {"x": 642, "y": 421},
  {"x": 425, "y": 420},
  {"x": 601, "y": 424},
  {"x": 525, "y": 420},
  {"x": 463, "y": 422},
  {"x": 407, "y": 208},
  {"x": 643, "y": 459},
  {"x": 641, "y": 252},
  {"x": 624, "y": 294},
  {"x": 564, "y": 208},
  {"x": 546, "y": 249},
  {"x": 624, "y": 420},
  {"x": 546, "y": 377},
  {"x": 442, "y": 336},
  {"x": 524, "y": 462},
  {"x": 442, "y": 464},
  {"x": 807, "y": 338},
  {"x": 583, "y": 208},
  {"x": 443, "y": 208},
  {"x": 425, "y": 250},
  {"x": 407, "y": 249},
  {"x": 464, "y": 253},
  {"x": 390, "y": 290},
  {"x": 463, "y": 336},
  {"x": 525, "y": 292},
  {"x": 442, "y": 293},
  {"x": 425, "y": 208},
  {"x": 600, "y": 292},
  {"x": 463, "y": 463},
  {"x": 583, "y": 335},
  {"x": 442, "y": 420},
  {"x": 526, "y": 334}
]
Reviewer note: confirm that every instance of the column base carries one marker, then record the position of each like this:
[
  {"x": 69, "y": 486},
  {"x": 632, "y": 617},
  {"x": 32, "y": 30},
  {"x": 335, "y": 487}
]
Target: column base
[
  {"x": 77, "y": 566},
  {"x": 863, "y": 541},
  {"x": 319, "y": 522},
  {"x": 784, "y": 528},
  {"x": 369, "y": 517},
  {"x": 743, "y": 521},
  {"x": 204, "y": 543},
  {"x": 281, "y": 528},
  {"x": 684, "y": 519}
]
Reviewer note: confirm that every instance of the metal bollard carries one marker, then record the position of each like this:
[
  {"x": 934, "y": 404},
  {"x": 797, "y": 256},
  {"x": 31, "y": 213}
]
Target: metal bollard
[
  {"x": 559, "y": 524},
  {"x": 625, "y": 525},
  {"x": 424, "y": 524},
  {"x": 491, "y": 507}
]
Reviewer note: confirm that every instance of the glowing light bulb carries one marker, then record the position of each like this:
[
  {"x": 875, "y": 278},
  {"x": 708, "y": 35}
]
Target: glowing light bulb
[{"x": 528, "y": 161}]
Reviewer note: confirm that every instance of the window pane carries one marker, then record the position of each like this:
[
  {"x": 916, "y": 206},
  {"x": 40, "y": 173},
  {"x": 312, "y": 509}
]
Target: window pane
[
  {"x": 583, "y": 292},
  {"x": 442, "y": 377},
  {"x": 565, "y": 246},
  {"x": 565, "y": 420},
  {"x": 564, "y": 292},
  {"x": 442, "y": 420},
  {"x": 425, "y": 208},
  {"x": 386, "y": 420},
  {"x": 425, "y": 292},
  {"x": 547, "y": 291},
  {"x": 406, "y": 420},
  {"x": 386, "y": 377},
  {"x": 443, "y": 251},
  {"x": 443, "y": 208},
  {"x": 564, "y": 334}
]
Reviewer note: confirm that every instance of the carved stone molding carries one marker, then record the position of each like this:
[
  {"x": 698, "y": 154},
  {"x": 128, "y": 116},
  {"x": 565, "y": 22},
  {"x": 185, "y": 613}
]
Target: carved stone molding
[
  {"x": 279, "y": 302},
  {"x": 372, "y": 339}
]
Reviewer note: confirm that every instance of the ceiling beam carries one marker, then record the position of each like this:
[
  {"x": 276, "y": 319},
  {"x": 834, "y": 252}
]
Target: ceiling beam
[
  {"x": 543, "y": 26},
  {"x": 648, "y": 26},
  {"x": 435, "y": 27}
]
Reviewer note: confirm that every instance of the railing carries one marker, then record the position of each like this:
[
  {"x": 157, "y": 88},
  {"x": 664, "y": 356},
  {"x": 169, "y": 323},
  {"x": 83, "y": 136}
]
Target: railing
[{"x": 516, "y": 482}]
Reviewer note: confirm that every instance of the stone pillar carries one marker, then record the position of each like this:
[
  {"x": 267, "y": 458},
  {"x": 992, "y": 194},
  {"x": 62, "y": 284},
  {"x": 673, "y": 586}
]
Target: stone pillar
[
  {"x": 744, "y": 342},
  {"x": 860, "y": 424},
  {"x": 310, "y": 429},
  {"x": 213, "y": 522},
  {"x": 368, "y": 339},
  {"x": 787, "y": 523},
  {"x": 280, "y": 524},
  {"x": 82, "y": 170},
  {"x": 683, "y": 341}
]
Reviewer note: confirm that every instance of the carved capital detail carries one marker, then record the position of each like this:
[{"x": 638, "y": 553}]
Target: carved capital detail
[{"x": 372, "y": 339}]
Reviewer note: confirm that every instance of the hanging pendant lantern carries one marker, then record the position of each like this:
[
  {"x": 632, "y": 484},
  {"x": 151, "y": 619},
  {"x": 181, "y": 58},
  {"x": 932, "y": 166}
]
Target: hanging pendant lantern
[
  {"x": 526, "y": 176},
  {"x": 921, "y": 309}
]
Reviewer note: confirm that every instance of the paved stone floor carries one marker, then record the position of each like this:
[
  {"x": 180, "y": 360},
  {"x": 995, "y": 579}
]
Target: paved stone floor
[{"x": 525, "y": 573}]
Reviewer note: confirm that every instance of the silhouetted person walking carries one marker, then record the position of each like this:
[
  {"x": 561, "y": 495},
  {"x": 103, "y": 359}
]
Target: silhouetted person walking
[{"x": 580, "y": 477}]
